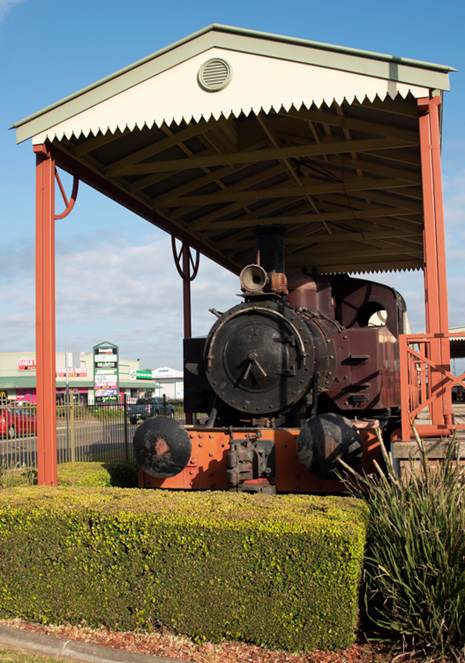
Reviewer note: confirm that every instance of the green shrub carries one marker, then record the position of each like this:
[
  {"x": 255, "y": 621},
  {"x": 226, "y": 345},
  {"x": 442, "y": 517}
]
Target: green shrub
[
  {"x": 91, "y": 475},
  {"x": 87, "y": 474},
  {"x": 21, "y": 476},
  {"x": 415, "y": 562},
  {"x": 280, "y": 571}
]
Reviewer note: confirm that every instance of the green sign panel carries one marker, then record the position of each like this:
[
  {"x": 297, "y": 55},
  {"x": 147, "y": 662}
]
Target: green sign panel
[{"x": 143, "y": 374}]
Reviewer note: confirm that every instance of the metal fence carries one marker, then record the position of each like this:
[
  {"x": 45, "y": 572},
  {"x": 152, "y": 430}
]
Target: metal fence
[{"x": 100, "y": 432}]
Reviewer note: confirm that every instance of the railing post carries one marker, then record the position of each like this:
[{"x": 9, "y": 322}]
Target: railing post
[
  {"x": 45, "y": 318},
  {"x": 404, "y": 388}
]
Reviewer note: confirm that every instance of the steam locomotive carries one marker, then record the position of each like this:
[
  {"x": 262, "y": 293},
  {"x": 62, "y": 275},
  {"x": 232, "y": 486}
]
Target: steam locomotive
[{"x": 299, "y": 374}]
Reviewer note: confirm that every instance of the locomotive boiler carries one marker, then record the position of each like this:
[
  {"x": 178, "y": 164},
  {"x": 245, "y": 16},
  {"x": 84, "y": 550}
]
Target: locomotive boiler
[{"x": 299, "y": 374}]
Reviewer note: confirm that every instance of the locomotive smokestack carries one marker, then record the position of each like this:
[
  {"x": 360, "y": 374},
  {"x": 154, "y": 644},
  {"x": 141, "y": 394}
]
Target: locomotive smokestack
[{"x": 270, "y": 248}]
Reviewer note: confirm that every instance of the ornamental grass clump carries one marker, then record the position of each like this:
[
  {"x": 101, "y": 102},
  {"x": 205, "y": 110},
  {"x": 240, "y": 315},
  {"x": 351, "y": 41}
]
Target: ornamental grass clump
[{"x": 414, "y": 576}]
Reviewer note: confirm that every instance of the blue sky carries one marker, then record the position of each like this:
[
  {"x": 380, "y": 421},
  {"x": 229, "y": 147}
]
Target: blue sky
[{"x": 115, "y": 278}]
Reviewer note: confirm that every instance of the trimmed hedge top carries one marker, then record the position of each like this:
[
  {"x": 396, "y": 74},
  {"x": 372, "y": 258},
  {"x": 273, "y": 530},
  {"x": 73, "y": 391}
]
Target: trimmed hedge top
[{"x": 298, "y": 512}]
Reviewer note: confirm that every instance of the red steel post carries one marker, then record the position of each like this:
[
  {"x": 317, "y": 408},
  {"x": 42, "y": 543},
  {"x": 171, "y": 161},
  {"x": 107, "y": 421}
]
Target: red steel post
[
  {"x": 436, "y": 309},
  {"x": 45, "y": 317}
]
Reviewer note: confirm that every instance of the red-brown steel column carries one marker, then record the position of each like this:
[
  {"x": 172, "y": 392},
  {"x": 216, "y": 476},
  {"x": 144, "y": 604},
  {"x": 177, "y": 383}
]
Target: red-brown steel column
[
  {"x": 45, "y": 317},
  {"x": 436, "y": 309}
]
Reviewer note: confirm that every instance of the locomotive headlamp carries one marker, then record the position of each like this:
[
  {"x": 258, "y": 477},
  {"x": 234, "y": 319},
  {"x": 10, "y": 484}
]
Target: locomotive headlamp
[{"x": 253, "y": 278}]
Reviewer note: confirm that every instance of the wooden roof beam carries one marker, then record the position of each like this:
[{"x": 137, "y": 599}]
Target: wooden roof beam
[
  {"x": 319, "y": 188},
  {"x": 268, "y": 154},
  {"x": 290, "y": 168},
  {"x": 350, "y": 123},
  {"x": 304, "y": 219},
  {"x": 173, "y": 139}
]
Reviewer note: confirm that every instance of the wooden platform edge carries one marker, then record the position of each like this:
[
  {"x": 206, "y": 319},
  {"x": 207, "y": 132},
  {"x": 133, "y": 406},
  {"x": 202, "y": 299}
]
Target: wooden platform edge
[{"x": 435, "y": 448}]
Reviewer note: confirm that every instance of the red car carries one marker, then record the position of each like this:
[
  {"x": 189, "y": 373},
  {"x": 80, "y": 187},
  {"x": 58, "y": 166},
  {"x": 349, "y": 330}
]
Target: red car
[{"x": 16, "y": 421}]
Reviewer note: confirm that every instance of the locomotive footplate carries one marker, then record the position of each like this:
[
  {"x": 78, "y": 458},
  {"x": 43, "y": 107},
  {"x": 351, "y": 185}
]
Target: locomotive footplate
[{"x": 252, "y": 460}]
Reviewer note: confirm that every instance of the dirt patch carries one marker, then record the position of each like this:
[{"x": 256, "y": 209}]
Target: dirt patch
[{"x": 164, "y": 643}]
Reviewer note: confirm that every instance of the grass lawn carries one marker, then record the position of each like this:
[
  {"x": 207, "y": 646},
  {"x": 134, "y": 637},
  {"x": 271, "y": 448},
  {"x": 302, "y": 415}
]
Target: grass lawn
[{"x": 17, "y": 656}]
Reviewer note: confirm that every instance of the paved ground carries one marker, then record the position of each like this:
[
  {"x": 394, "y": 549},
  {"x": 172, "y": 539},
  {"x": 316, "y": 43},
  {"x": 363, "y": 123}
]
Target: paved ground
[{"x": 55, "y": 647}]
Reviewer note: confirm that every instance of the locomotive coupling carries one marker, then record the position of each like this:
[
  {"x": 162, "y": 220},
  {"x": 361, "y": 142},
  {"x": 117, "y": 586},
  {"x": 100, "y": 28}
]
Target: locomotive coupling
[{"x": 162, "y": 447}]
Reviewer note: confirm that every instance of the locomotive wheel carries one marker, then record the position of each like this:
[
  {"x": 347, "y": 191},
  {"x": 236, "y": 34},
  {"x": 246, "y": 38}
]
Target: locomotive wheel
[
  {"x": 326, "y": 438},
  {"x": 162, "y": 448}
]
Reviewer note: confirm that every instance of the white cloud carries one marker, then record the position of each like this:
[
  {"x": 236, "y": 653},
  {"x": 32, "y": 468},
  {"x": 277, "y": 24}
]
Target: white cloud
[{"x": 6, "y": 6}]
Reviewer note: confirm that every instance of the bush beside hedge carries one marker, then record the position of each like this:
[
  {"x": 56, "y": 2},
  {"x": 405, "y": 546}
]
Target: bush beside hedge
[
  {"x": 89, "y": 474},
  {"x": 280, "y": 571}
]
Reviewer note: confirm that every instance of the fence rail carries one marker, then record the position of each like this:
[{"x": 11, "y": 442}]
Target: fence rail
[
  {"x": 426, "y": 385},
  {"x": 100, "y": 432}
]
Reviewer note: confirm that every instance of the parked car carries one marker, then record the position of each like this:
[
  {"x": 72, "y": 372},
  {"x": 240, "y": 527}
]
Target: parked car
[
  {"x": 17, "y": 421},
  {"x": 149, "y": 407}
]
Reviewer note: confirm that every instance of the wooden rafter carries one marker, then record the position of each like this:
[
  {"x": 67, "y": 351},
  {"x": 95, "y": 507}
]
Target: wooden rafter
[
  {"x": 304, "y": 219},
  {"x": 358, "y": 236},
  {"x": 350, "y": 123},
  {"x": 311, "y": 188},
  {"x": 336, "y": 165},
  {"x": 287, "y": 163},
  {"x": 92, "y": 143},
  {"x": 171, "y": 139},
  {"x": 269, "y": 154}
]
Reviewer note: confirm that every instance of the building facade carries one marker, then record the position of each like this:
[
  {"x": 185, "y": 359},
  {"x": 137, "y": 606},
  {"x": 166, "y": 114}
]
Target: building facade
[
  {"x": 170, "y": 383},
  {"x": 74, "y": 376}
]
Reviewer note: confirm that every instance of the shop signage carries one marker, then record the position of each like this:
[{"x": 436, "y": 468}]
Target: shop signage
[
  {"x": 30, "y": 364},
  {"x": 106, "y": 372},
  {"x": 71, "y": 372},
  {"x": 27, "y": 364},
  {"x": 143, "y": 374}
]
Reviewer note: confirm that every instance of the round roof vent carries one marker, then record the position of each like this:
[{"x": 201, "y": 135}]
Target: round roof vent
[{"x": 214, "y": 75}]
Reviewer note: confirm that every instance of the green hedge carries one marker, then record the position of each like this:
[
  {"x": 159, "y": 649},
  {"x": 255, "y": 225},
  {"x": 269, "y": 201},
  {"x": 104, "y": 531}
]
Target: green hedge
[
  {"x": 280, "y": 571},
  {"x": 87, "y": 474},
  {"x": 96, "y": 475}
]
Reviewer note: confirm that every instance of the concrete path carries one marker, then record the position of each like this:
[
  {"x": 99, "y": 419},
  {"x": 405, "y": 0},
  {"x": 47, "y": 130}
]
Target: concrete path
[{"x": 50, "y": 645}]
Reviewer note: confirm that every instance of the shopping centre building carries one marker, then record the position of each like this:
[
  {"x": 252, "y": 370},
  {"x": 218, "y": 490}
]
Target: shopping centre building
[{"x": 74, "y": 374}]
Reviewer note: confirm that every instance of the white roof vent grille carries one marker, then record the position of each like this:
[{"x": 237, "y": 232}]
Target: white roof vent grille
[{"x": 214, "y": 75}]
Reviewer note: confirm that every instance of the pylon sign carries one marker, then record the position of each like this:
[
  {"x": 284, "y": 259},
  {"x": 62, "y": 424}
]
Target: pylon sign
[{"x": 106, "y": 372}]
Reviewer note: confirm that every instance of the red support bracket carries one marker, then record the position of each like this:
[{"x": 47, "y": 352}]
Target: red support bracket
[{"x": 69, "y": 203}]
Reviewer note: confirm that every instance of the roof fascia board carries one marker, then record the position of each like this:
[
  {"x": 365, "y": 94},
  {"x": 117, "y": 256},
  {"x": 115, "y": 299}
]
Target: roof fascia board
[{"x": 331, "y": 57}]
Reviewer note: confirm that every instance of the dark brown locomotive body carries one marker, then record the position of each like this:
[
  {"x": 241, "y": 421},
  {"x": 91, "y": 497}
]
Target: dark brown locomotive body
[
  {"x": 287, "y": 382},
  {"x": 350, "y": 367}
]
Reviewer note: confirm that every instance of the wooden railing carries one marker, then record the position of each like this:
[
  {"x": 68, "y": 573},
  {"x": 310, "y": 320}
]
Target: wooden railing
[{"x": 426, "y": 384}]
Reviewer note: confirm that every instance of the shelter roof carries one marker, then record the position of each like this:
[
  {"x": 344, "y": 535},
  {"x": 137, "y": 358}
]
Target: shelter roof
[{"x": 231, "y": 129}]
